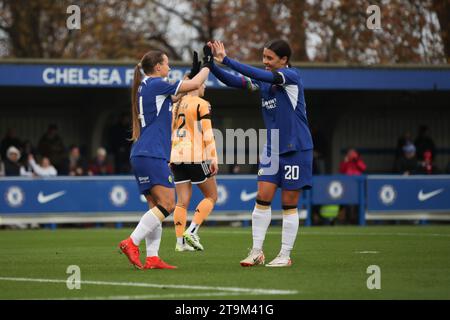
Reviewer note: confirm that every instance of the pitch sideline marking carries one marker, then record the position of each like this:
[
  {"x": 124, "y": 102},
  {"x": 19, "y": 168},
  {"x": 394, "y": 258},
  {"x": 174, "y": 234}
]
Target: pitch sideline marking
[
  {"x": 160, "y": 286},
  {"x": 309, "y": 233},
  {"x": 154, "y": 296}
]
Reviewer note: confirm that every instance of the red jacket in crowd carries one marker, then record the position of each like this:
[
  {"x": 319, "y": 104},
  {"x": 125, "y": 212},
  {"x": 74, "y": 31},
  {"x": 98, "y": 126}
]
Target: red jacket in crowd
[{"x": 352, "y": 165}]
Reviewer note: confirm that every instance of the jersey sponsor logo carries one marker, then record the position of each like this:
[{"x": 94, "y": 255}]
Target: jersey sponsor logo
[
  {"x": 269, "y": 104},
  {"x": 248, "y": 196},
  {"x": 14, "y": 196},
  {"x": 143, "y": 180},
  {"x": 425, "y": 196},
  {"x": 42, "y": 198},
  {"x": 170, "y": 178}
]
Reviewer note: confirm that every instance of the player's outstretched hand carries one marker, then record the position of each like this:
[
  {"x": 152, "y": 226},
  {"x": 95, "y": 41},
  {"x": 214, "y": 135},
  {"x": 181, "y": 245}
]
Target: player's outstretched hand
[
  {"x": 196, "y": 65},
  {"x": 208, "y": 58},
  {"x": 218, "y": 50}
]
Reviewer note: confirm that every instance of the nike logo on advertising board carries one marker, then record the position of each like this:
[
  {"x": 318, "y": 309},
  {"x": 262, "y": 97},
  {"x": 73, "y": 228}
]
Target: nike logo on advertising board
[
  {"x": 50, "y": 197},
  {"x": 425, "y": 196},
  {"x": 248, "y": 196}
]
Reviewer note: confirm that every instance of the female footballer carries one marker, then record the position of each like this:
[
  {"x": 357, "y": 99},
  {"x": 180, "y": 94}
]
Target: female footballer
[
  {"x": 286, "y": 161},
  {"x": 193, "y": 161},
  {"x": 151, "y": 111}
]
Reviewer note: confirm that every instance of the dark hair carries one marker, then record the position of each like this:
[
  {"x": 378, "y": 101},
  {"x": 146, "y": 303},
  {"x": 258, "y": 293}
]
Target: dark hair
[
  {"x": 147, "y": 65},
  {"x": 281, "y": 48}
]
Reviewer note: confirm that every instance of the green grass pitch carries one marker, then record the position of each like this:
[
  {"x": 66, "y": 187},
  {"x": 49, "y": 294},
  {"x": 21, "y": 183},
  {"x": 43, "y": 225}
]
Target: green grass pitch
[{"x": 328, "y": 263}]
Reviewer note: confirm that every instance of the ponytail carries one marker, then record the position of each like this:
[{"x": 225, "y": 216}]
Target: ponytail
[
  {"x": 146, "y": 66},
  {"x": 135, "y": 126}
]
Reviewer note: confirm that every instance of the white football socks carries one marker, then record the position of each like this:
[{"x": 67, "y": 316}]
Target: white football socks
[
  {"x": 153, "y": 240},
  {"x": 145, "y": 226},
  {"x": 289, "y": 232},
  {"x": 260, "y": 222}
]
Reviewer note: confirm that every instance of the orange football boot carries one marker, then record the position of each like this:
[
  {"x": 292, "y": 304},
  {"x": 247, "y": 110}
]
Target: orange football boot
[
  {"x": 156, "y": 262},
  {"x": 131, "y": 250}
]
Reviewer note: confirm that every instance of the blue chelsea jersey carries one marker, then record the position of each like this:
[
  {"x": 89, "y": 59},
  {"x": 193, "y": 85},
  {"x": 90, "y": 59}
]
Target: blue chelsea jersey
[
  {"x": 284, "y": 108},
  {"x": 155, "y": 118}
]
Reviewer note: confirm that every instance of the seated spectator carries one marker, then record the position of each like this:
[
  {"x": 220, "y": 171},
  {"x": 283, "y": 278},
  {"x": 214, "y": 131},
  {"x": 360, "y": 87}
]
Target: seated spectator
[
  {"x": 51, "y": 145},
  {"x": 424, "y": 142},
  {"x": 407, "y": 164},
  {"x": 12, "y": 165},
  {"x": 352, "y": 164},
  {"x": 9, "y": 140},
  {"x": 100, "y": 166},
  {"x": 426, "y": 166},
  {"x": 74, "y": 165},
  {"x": 45, "y": 169}
]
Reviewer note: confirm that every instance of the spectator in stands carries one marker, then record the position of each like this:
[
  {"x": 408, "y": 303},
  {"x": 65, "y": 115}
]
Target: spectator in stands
[
  {"x": 426, "y": 166},
  {"x": 100, "y": 164},
  {"x": 424, "y": 142},
  {"x": 405, "y": 139},
  {"x": 407, "y": 164},
  {"x": 119, "y": 144},
  {"x": 9, "y": 140},
  {"x": 74, "y": 165},
  {"x": 12, "y": 165},
  {"x": 45, "y": 169},
  {"x": 51, "y": 145},
  {"x": 352, "y": 164}
]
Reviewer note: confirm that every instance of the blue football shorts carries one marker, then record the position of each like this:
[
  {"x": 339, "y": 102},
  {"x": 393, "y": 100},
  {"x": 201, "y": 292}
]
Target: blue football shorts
[
  {"x": 289, "y": 171},
  {"x": 150, "y": 171}
]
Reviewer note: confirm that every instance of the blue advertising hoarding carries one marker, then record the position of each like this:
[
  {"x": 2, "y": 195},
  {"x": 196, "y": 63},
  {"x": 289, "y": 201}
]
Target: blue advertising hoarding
[
  {"x": 378, "y": 197},
  {"x": 121, "y": 76},
  {"x": 81, "y": 195},
  {"x": 338, "y": 189},
  {"x": 411, "y": 193}
]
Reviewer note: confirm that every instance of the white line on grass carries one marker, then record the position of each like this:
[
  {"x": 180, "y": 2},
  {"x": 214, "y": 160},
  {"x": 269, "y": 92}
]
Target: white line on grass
[
  {"x": 157, "y": 296},
  {"x": 160, "y": 286},
  {"x": 309, "y": 233},
  {"x": 366, "y": 252}
]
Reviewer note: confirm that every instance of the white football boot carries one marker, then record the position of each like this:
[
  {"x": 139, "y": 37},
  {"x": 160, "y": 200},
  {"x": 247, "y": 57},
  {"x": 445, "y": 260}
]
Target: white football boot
[
  {"x": 280, "y": 261},
  {"x": 255, "y": 258},
  {"x": 183, "y": 247},
  {"x": 193, "y": 240}
]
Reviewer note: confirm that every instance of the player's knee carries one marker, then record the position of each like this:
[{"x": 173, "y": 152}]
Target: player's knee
[
  {"x": 183, "y": 202},
  {"x": 212, "y": 198},
  {"x": 168, "y": 204}
]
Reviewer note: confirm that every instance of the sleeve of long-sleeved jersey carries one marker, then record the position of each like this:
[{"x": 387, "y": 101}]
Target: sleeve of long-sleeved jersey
[
  {"x": 281, "y": 76},
  {"x": 234, "y": 81}
]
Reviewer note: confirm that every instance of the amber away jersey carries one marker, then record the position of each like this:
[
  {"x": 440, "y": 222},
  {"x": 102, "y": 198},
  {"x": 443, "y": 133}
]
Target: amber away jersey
[{"x": 192, "y": 136}]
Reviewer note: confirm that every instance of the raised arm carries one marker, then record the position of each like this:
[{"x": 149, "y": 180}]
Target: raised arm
[
  {"x": 232, "y": 80},
  {"x": 249, "y": 71}
]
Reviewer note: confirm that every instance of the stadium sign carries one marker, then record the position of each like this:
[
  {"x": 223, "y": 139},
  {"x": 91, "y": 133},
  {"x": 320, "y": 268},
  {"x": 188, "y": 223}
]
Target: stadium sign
[{"x": 324, "y": 77}]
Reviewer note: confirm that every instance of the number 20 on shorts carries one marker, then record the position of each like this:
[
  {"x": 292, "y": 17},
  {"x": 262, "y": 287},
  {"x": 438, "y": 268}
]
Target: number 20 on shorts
[{"x": 291, "y": 172}]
